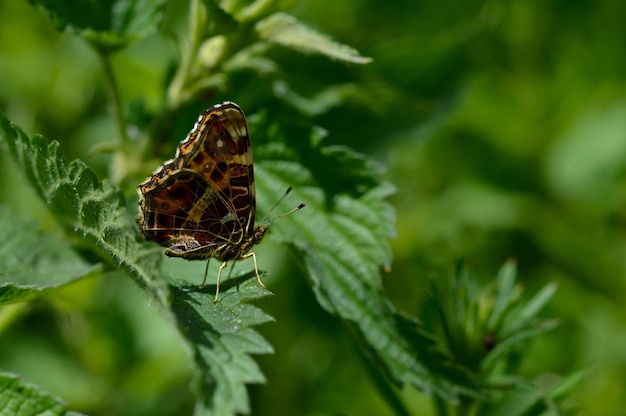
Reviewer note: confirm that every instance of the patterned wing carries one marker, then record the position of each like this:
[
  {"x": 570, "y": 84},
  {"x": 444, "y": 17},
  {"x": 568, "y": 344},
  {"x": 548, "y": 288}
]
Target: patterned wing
[{"x": 202, "y": 202}]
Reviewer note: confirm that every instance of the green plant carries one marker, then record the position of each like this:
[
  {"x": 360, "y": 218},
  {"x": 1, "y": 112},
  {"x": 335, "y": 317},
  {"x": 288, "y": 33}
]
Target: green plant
[{"x": 340, "y": 240}]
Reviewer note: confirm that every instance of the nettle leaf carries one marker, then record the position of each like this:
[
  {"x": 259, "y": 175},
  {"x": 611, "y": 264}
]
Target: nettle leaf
[
  {"x": 221, "y": 340},
  {"x": 247, "y": 11},
  {"x": 85, "y": 206},
  {"x": 21, "y": 399},
  {"x": 219, "y": 336},
  {"x": 107, "y": 23},
  {"x": 342, "y": 236},
  {"x": 283, "y": 29},
  {"x": 34, "y": 263}
]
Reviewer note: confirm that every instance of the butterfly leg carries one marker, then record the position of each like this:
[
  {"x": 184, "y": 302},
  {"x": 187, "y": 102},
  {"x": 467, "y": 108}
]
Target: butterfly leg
[
  {"x": 232, "y": 266},
  {"x": 206, "y": 271},
  {"x": 217, "y": 285},
  {"x": 256, "y": 268}
]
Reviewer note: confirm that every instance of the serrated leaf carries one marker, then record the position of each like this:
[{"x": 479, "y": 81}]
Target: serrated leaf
[
  {"x": 22, "y": 399},
  {"x": 286, "y": 30},
  {"x": 107, "y": 23},
  {"x": 221, "y": 340},
  {"x": 342, "y": 236},
  {"x": 86, "y": 207},
  {"x": 34, "y": 263},
  {"x": 247, "y": 11}
]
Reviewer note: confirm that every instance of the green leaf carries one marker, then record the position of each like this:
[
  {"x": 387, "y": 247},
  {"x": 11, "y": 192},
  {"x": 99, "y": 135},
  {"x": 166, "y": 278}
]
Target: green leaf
[
  {"x": 517, "y": 322},
  {"x": 47, "y": 264},
  {"x": 517, "y": 402},
  {"x": 283, "y": 29},
  {"x": 320, "y": 103},
  {"x": 342, "y": 237},
  {"x": 485, "y": 328},
  {"x": 247, "y": 11},
  {"x": 523, "y": 315},
  {"x": 562, "y": 389},
  {"x": 221, "y": 340},
  {"x": 21, "y": 399},
  {"x": 514, "y": 341},
  {"x": 505, "y": 295},
  {"x": 86, "y": 207},
  {"x": 546, "y": 395},
  {"x": 107, "y": 23}
]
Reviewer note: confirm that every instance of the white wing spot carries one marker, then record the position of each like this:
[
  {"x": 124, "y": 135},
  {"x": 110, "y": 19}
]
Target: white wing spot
[
  {"x": 220, "y": 143},
  {"x": 226, "y": 218}
]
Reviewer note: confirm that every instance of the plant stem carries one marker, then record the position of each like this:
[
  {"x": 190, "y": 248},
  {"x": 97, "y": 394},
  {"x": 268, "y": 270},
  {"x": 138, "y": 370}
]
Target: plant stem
[
  {"x": 120, "y": 165},
  {"x": 441, "y": 408},
  {"x": 175, "y": 93},
  {"x": 114, "y": 95}
]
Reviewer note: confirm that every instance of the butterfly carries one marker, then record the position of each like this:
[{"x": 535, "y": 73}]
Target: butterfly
[{"x": 201, "y": 204}]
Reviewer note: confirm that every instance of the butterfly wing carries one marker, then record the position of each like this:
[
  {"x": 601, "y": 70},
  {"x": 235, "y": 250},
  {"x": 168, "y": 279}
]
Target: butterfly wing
[{"x": 202, "y": 203}]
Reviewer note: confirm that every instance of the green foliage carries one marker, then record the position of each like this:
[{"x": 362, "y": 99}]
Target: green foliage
[
  {"x": 82, "y": 204},
  {"x": 23, "y": 399},
  {"x": 488, "y": 329},
  {"x": 221, "y": 341},
  {"x": 283, "y": 29},
  {"x": 47, "y": 265},
  {"x": 494, "y": 139},
  {"x": 106, "y": 24}
]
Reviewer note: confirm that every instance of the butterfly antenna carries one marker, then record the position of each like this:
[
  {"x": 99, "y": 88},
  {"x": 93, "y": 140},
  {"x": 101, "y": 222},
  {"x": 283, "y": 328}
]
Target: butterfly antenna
[
  {"x": 302, "y": 205},
  {"x": 265, "y": 220}
]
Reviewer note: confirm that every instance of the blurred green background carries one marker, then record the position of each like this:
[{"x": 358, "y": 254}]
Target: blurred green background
[{"x": 502, "y": 124}]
